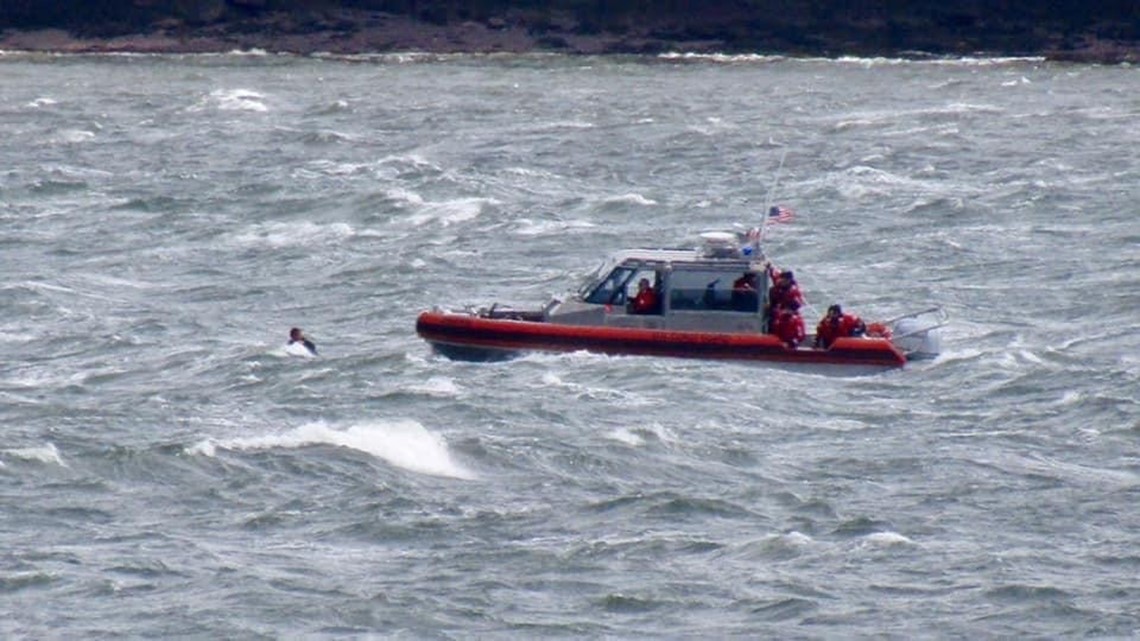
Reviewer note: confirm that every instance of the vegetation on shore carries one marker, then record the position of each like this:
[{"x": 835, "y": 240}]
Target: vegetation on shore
[{"x": 1106, "y": 30}]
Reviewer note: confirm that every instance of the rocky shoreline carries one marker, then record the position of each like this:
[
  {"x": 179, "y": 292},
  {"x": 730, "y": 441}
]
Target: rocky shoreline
[{"x": 369, "y": 32}]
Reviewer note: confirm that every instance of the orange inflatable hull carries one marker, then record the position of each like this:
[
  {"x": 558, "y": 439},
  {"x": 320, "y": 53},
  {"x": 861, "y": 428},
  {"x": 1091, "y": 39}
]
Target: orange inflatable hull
[{"x": 468, "y": 337}]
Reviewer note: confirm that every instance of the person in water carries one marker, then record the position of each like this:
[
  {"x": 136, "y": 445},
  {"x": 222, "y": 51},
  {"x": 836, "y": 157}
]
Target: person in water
[
  {"x": 297, "y": 336},
  {"x": 645, "y": 301},
  {"x": 835, "y": 325}
]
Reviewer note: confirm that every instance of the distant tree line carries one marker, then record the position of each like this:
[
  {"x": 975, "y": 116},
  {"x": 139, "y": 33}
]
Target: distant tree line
[{"x": 1119, "y": 19}]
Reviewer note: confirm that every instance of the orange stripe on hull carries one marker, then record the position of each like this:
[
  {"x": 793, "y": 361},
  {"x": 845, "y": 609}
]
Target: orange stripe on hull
[{"x": 466, "y": 336}]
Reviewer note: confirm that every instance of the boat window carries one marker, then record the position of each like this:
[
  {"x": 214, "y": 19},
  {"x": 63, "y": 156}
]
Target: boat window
[
  {"x": 708, "y": 290},
  {"x": 634, "y": 284},
  {"x": 649, "y": 275},
  {"x": 595, "y": 278},
  {"x": 612, "y": 289}
]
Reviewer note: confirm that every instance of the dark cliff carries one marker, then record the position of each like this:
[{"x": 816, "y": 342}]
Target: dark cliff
[{"x": 1106, "y": 30}]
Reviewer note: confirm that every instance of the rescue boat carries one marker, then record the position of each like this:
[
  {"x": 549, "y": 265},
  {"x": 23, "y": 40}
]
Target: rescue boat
[{"x": 698, "y": 314}]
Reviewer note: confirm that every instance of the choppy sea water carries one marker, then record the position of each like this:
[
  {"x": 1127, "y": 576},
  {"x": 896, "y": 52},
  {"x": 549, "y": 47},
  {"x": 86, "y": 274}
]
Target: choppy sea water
[{"x": 170, "y": 470}]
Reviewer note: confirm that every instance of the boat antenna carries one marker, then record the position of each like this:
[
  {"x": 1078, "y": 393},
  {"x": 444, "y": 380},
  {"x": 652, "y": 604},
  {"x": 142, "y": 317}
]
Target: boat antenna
[{"x": 771, "y": 191}]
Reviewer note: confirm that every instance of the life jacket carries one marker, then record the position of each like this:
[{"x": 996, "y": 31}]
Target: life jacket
[
  {"x": 827, "y": 331},
  {"x": 645, "y": 302},
  {"x": 789, "y": 328},
  {"x": 851, "y": 325},
  {"x": 785, "y": 295}
]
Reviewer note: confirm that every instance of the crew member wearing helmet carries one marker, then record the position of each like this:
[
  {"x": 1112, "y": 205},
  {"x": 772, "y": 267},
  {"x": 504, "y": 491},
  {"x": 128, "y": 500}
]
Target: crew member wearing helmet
[
  {"x": 835, "y": 325},
  {"x": 784, "y": 290}
]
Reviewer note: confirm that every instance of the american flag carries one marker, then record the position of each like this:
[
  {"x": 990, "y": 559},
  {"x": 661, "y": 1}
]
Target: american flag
[{"x": 778, "y": 214}]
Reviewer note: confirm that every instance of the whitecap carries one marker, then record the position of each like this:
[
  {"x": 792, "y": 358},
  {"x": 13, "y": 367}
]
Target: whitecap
[
  {"x": 528, "y": 227},
  {"x": 439, "y": 387},
  {"x": 722, "y": 58},
  {"x": 72, "y": 136},
  {"x": 450, "y": 212},
  {"x": 1071, "y": 397},
  {"x": 638, "y": 436},
  {"x": 632, "y": 199},
  {"x": 44, "y": 454},
  {"x": 286, "y": 234},
  {"x": 20, "y": 337},
  {"x": 798, "y": 539},
  {"x": 403, "y": 443},
  {"x": 551, "y": 379},
  {"x": 964, "y": 61},
  {"x": 566, "y": 124},
  {"x": 392, "y": 166},
  {"x": 886, "y": 539},
  {"x": 232, "y": 100},
  {"x": 254, "y": 52},
  {"x": 627, "y": 436},
  {"x": 321, "y": 168},
  {"x": 785, "y": 545},
  {"x": 530, "y": 172}
]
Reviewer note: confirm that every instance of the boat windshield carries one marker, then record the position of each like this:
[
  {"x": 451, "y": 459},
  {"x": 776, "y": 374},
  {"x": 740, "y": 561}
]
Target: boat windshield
[
  {"x": 595, "y": 278},
  {"x": 610, "y": 290}
]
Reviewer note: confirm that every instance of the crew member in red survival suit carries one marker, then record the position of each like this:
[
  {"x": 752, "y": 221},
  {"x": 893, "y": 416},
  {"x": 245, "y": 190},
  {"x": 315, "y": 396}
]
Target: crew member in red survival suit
[
  {"x": 783, "y": 292},
  {"x": 835, "y": 325},
  {"x": 789, "y": 325},
  {"x": 645, "y": 301}
]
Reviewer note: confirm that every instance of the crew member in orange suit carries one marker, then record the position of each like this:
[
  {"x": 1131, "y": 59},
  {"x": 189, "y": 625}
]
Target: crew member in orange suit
[
  {"x": 789, "y": 326},
  {"x": 835, "y": 325},
  {"x": 645, "y": 301},
  {"x": 783, "y": 292}
]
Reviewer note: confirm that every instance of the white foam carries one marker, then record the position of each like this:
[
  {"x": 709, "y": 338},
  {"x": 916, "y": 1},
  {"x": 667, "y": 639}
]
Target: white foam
[
  {"x": 44, "y": 454},
  {"x": 450, "y": 211},
  {"x": 567, "y": 124},
  {"x": 632, "y": 199},
  {"x": 720, "y": 57},
  {"x": 627, "y": 436},
  {"x": 282, "y": 234},
  {"x": 440, "y": 387},
  {"x": 232, "y": 100},
  {"x": 251, "y": 53},
  {"x": 403, "y": 443},
  {"x": 403, "y": 197},
  {"x": 886, "y": 539},
  {"x": 318, "y": 169},
  {"x": 554, "y": 380},
  {"x": 797, "y": 539},
  {"x": 640, "y": 435},
  {"x": 528, "y": 227},
  {"x": 73, "y": 136}
]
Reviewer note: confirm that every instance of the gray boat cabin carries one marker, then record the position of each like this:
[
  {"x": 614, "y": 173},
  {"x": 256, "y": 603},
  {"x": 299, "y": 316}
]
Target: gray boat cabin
[{"x": 719, "y": 287}]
